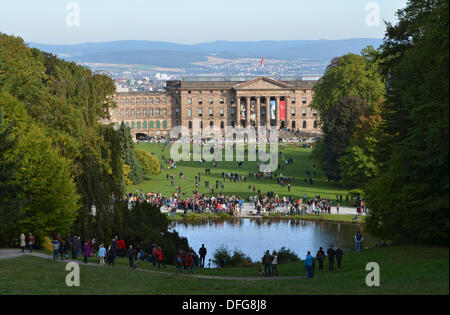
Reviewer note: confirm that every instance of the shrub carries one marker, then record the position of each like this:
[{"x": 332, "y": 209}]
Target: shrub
[
  {"x": 47, "y": 244},
  {"x": 238, "y": 258},
  {"x": 150, "y": 164},
  {"x": 285, "y": 255}
]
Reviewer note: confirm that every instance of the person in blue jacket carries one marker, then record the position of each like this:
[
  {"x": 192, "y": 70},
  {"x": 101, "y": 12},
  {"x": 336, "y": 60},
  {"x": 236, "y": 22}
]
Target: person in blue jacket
[{"x": 309, "y": 263}]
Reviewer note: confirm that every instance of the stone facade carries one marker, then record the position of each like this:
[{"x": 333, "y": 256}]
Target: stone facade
[{"x": 261, "y": 101}]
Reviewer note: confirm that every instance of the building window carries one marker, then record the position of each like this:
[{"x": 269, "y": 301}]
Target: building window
[
  {"x": 150, "y": 101},
  {"x": 126, "y": 113},
  {"x": 126, "y": 101},
  {"x": 164, "y": 112},
  {"x": 158, "y": 112},
  {"x": 177, "y": 112},
  {"x": 189, "y": 112},
  {"x": 132, "y": 113},
  {"x": 200, "y": 101},
  {"x": 315, "y": 112},
  {"x": 150, "y": 112},
  {"x": 211, "y": 123},
  {"x": 222, "y": 125},
  {"x": 304, "y": 111},
  {"x": 164, "y": 101},
  {"x": 164, "y": 124},
  {"x": 222, "y": 112},
  {"x": 138, "y": 101},
  {"x": 211, "y": 112},
  {"x": 304, "y": 100},
  {"x": 233, "y": 111},
  {"x": 293, "y": 112},
  {"x": 293, "y": 101},
  {"x": 144, "y": 112},
  {"x": 158, "y": 101},
  {"x": 189, "y": 92},
  {"x": 158, "y": 124},
  {"x": 145, "y": 124},
  {"x": 200, "y": 112},
  {"x": 190, "y": 125},
  {"x": 233, "y": 100},
  {"x": 133, "y": 125},
  {"x": 121, "y": 113},
  {"x": 201, "y": 124},
  {"x": 132, "y": 101},
  {"x": 263, "y": 111},
  {"x": 222, "y": 101},
  {"x": 211, "y": 92},
  {"x": 304, "y": 124},
  {"x": 316, "y": 124},
  {"x": 138, "y": 125},
  {"x": 151, "y": 125},
  {"x": 144, "y": 101},
  {"x": 190, "y": 101},
  {"x": 211, "y": 101}
]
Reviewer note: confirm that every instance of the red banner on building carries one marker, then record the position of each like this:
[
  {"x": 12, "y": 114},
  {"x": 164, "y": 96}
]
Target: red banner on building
[{"x": 282, "y": 110}]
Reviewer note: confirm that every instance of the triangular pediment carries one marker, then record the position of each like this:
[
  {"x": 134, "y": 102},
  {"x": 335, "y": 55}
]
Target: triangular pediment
[{"x": 262, "y": 83}]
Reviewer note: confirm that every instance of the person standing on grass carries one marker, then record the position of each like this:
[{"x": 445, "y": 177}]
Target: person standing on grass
[
  {"x": 339, "y": 254},
  {"x": 275, "y": 263},
  {"x": 131, "y": 254},
  {"x": 189, "y": 260},
  {"x": 309, "y": 263},
  {"x": 331, "y": 254},
  {"x": 320, "y": 258},
  {"x": 202, "y": 252},
  {"x": 86, "y": 252},
  {"x": 101, "y": 254},
  {"x": 22, "y": 242},
  {"x": 358, "y": 240},
  {"x": 267, "y": 261}
]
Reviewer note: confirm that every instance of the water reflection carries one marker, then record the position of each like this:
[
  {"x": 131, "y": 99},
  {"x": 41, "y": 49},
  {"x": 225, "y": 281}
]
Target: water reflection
[{"x": 255, "y": 236}]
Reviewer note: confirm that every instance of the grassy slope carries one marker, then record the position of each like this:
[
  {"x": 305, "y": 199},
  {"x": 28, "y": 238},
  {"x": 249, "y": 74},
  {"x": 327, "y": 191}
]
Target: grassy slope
[
  {"x": 302, "y": 163},
  {"x": 404, "y": 270}
]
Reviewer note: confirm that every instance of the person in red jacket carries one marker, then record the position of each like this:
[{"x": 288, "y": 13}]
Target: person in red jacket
[
  {"x": 189, "y": 261},
  {"x": 160, "y": 258}
]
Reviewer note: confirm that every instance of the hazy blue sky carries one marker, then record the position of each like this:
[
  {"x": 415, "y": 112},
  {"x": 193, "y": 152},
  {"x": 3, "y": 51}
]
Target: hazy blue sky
[{"x": 193, "y": 21}]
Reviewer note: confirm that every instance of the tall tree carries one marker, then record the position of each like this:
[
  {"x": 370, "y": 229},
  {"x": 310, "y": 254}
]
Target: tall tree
[{"x": 410, "y": 198}]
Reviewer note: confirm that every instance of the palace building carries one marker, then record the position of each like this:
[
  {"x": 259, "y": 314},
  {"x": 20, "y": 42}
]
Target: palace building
[{"x": 220, "y": 101}]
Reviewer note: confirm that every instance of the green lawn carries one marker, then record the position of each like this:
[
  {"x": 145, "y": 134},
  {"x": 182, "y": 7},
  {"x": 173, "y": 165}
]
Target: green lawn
[
  {"x": 302, "y": 163},
  {"x": 403, "y": 270}
]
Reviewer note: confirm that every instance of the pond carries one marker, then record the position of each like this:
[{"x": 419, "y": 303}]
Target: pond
[{"x": 255, "y": 236}]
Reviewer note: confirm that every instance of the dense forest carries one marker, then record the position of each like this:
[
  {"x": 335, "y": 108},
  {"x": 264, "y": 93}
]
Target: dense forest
[
  {"x": 385, "y": 122},
  {"x": 56, "y": 159}
]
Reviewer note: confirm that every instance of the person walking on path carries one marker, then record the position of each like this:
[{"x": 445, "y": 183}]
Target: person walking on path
[
  {"x": 154, "y": 254},
  {"x": 111, "y": 256},
  {"x": 339, "y": 254},
  {"x": 131, "y": 254},
  {"x": 309, "y": 263},
  {"x": 179, "y": 261},
  {"x": 358, "y": 240},
  {"x": 56, "y": 245},
  {"x": 320, "y": 258},
  {"x": 160, "y": 258},
  {"x": 101, "y": 254},
  {"x": 267, "y": 261},
  {"x": 275, "y": 263},
  {"x": 22, "y": 242},
  {"x": 331, "y": 254},
  {"x": 202, "y": 252},
  {"x": 86, "y": 252},
  {"x": 31, "y": 241}
]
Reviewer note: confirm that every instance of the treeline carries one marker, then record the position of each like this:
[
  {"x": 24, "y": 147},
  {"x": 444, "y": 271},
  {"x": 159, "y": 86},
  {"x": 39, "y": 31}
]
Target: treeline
[
  {"x": 385, "y": 124},
  {"x": 56, "y": 159}
]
